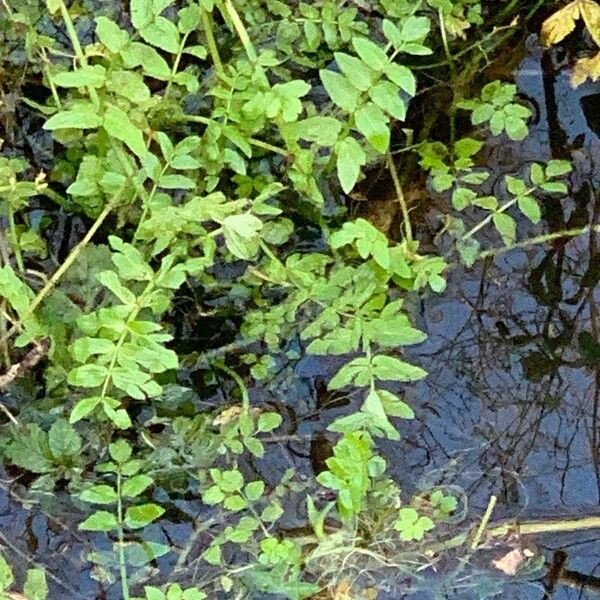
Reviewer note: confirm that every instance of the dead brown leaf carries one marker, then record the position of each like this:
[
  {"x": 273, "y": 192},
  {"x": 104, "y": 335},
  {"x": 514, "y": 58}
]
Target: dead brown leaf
[{"x": 510, "y": 563}]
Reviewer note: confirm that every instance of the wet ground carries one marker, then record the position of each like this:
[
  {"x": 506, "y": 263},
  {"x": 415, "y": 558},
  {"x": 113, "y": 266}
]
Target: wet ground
[{"x": 511, "y": 406}]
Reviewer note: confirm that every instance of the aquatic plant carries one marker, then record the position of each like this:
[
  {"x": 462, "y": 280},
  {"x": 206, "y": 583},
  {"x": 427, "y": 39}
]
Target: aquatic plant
[{"x": 199, "y": 142}]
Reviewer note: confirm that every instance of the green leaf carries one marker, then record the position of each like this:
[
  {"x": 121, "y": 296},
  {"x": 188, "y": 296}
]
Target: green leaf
[
  {"x": 254, "y": 490},
  {"x": 536, "y": 174},
  {"x": 189, "y": 20},
  {"x": 378, "y": 422},
  {"x": 6, "y": 575},
  {"x": 88, "y": 376},
  {"x": 350, "y": 158},
  {"x": 53, "y": 6},
  {"x": 272, "y": 512},
  {"x": 357, "y": 370},
  {"x": 370, "y": 53},
  {"x": 185, "y": 162},
  {"x": 373, "y": 124},
  {"x": 506, "y": 226},
  {"x": 63, "y": 440},
  {"x": 462, "y": 198},
  {"x": 555, "y": 187},
  {"x": 386, "y": 96},
  {"x": 516, "y": 186},
  {"x": 110, "y": 280},
  {"x": 530, "y": 208},
  {"x": 394, "y": 406},
  {"x": 212, "y": 555},
  {"x": 269, "y": 421},
  {"x": 82, "y": 116},
  {"x": 516, "y": 128},
  {"x": 138, "y": 54},
  {"x": 163, "y": 34},
  {"x": 118, "y": 125},
  {"x": 389, "y": 368},
  {"x": 36, "y": 587},
  {"x": 322, "y": 130},
  {"x": 213, "y": 495},
  {"x": 139, "y": 516},
  {"x": 99, "y": 494},
  {"x": 235, "y": 503},
  {"x": 229, "y": 480},
  {"x": 340, "y": 90},
  {"x": 136, "y": 485},
  {"x": 85, "y": 347},
  {"x": 415, "y": 29},
  {"x": 30, "y": 450},
  {"x": 556, "y": 168},
  {"x": 142, "y": 13},
  {"x": 84, "y": 407},
  {"x": 358, "y": 73},
  {"x": 176, "y": 182},
  {"x": 111, "y": 35},
  {"x": 100, "y": 521},
  {"x": 120, "y": 451},
  {"x": 241, "y": 235},
  {"x": 86, "y": 76},
  {"x": 403, "y": 77}
]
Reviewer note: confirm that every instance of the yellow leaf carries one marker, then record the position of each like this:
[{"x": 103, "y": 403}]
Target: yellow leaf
[
  {"x": 343, "y": 591},
  {"x": 590, "y": 12},
  {"x": 586, "y": 68},
  {"x": 559, "y": 25}
]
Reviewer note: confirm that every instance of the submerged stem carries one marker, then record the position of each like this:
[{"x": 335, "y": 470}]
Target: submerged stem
[
  {"x": 122, "y": 562},
  {"x": 400, "y": 197}
]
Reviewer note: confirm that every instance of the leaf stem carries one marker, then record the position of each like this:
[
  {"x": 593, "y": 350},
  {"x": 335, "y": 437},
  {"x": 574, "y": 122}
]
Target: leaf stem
[
  {"x": 250, "y": 140},
  {"x": 175, "y": 67},
  {"x": 77, "y": 47},
  {"x": 241, "y": 31},
  {"x": 210, "y": 40},
  {"x": 238, "y": 380},
  {"x": 453, "y": 78},
  {"x": 400, "y": 197},
  {"x": 485, "y": 221},
  {"x": 122, "y": 562}
]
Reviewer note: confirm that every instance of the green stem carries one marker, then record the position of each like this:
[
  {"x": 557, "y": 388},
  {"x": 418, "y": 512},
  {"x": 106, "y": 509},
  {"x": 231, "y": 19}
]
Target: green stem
[
  {"x": 484, "y": 522},
  {"x": 241, "y": 31},
  {"x": 239, "y": 382},
  {"x": 453, "y": 78},
  {"x": 210, "y": 40},
  {"x": 541, "y": 239},
  {"x": 122, "y": 562},
  {"x": 175, "y": 66},
  {"x": 485, "y": 221},
  {"x": 4, "y": 345},
  {"x": 252, "y": 141},
  {"x": 76, "y": 46},
  {"x": 401, "y": 198}
]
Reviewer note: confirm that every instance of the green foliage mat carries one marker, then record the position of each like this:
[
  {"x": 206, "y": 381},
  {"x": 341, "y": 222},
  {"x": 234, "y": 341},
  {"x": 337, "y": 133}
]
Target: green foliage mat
[{"x": 198, "y": 139}]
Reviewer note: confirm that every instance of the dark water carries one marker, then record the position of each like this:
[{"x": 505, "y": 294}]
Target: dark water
[{"x": 511, "y": 406}]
